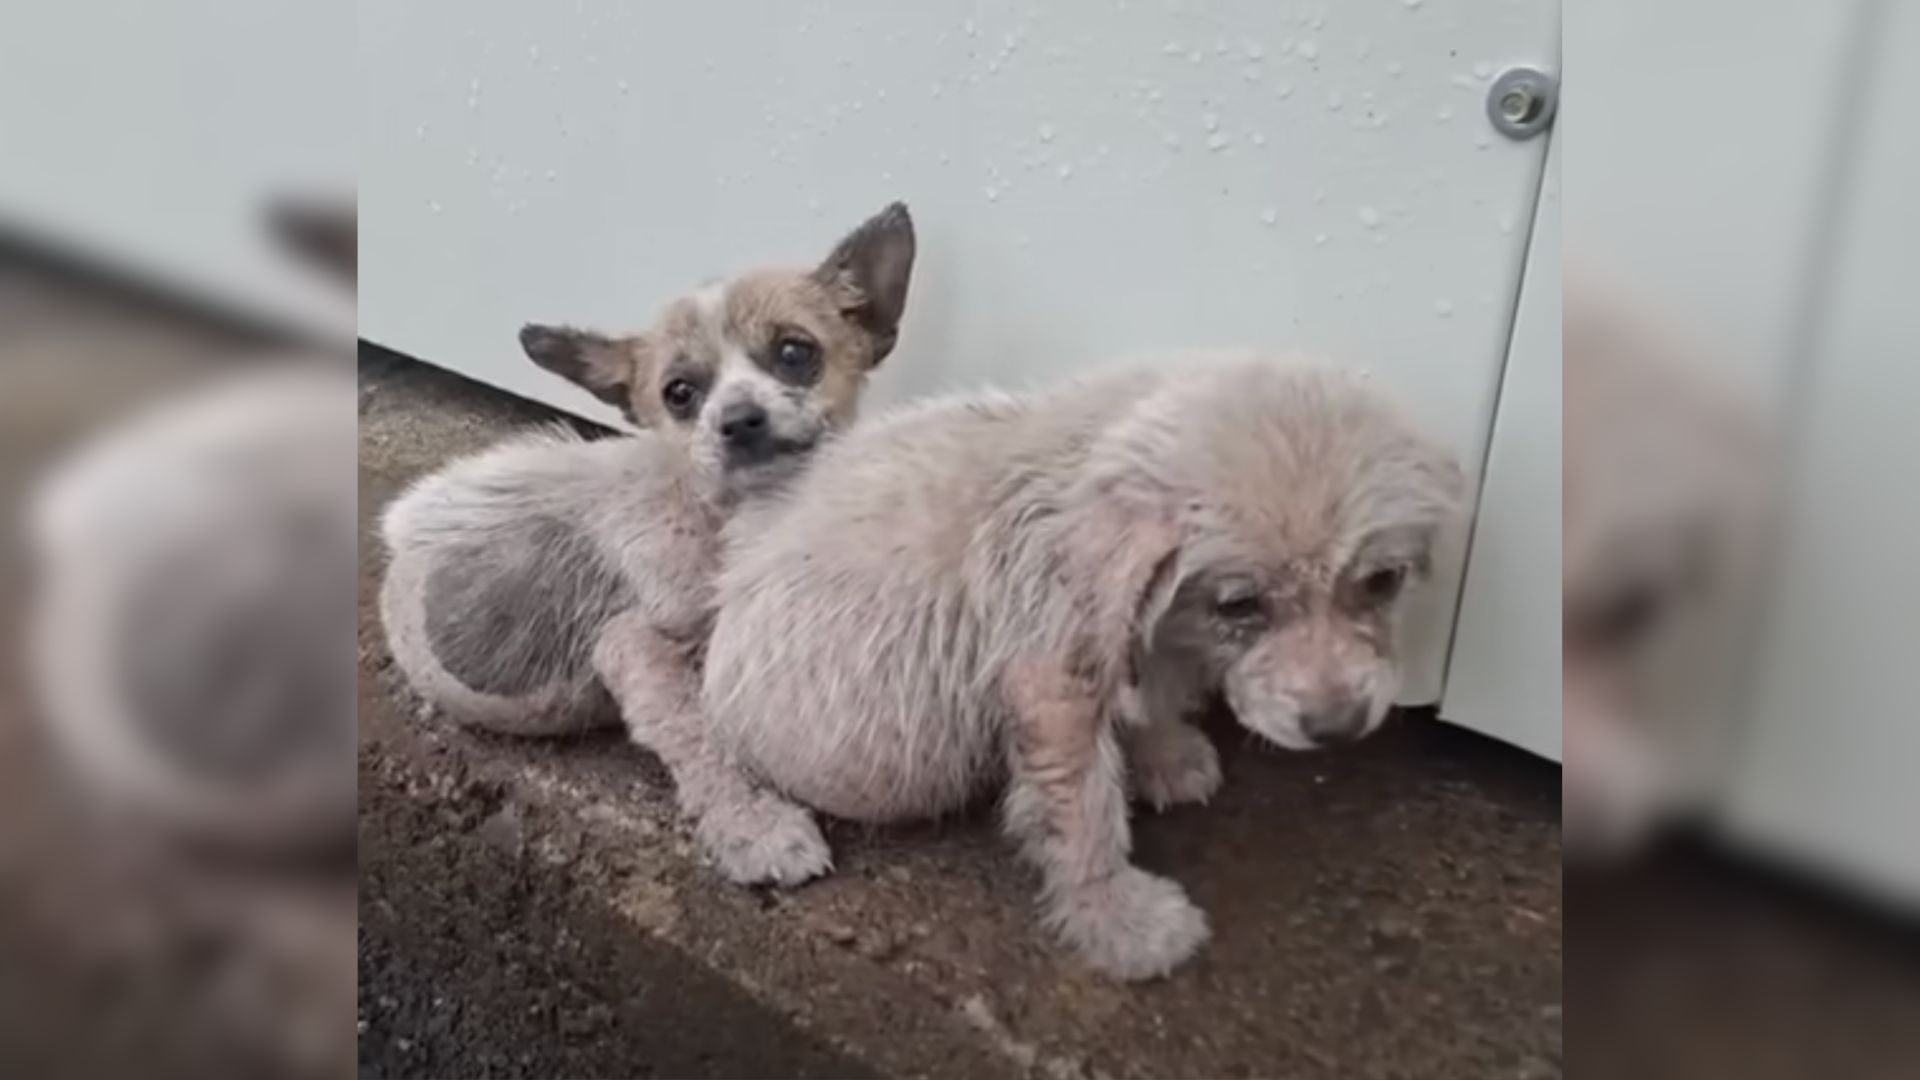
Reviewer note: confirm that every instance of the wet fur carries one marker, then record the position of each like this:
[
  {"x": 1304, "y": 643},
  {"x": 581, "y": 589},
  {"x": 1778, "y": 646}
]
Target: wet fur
[
  {"x": 552, "y": 583},
  {"x": 1012, "y": 594}
]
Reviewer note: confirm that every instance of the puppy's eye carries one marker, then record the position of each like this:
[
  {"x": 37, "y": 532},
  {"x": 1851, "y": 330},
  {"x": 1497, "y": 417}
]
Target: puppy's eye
[
  {"x": 1383, "y": 584},
  {"x": 796, "y": 359},
  {"x": 1240, "y": 607},
  {"x": 1625, "y": 617},
  {"x": 680, "y": 396}
]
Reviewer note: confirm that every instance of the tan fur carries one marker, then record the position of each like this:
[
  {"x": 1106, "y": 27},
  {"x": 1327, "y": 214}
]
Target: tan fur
[{"x": 552, "y": 583}]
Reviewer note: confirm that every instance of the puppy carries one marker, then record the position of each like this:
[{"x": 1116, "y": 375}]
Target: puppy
[
  {"x": 193, "y": 562},
  {"x": 537, "y": 584},
  {"x": 1668, "y": 510},
  {"x": 1031, "y": 594}
]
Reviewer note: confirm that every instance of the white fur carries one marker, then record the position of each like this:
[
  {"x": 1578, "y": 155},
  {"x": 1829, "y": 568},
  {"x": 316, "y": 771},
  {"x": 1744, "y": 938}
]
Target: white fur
[{"x": 951, "y": 602}]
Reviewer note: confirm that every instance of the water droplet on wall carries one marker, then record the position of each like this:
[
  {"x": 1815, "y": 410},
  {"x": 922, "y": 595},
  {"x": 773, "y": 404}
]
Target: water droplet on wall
[
  {"x": 1443, "y": 308},
  {"x": 1308, "y": 50},
  {"x": 1368, "y": 216},
  {"x": 1046, "y": 132},
  {"x": 1319, "y": 238},
  {"x": 1483, "y": 70},
  {"x": 1270, "y": 216},
  {"x": 1259, "y": 138},
  {"x": 1411, "y": 3},
  {"x": 1334, "y": 101},
  {"x": 433, "y": 205},
  {"x": 992, "y": 193},
  {"x": 1395, "y": 68},
  {"x": 1443, "y": 114},
  {"x": 1218, "y": 141},
  {"x": 1210, "y": 122},
  {"x": 1066, "y": 170}
]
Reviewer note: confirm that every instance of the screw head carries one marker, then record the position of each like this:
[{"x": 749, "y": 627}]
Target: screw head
[
  {"x": 1521, "y": 102},
  {"x": 1516, "y": 104}
]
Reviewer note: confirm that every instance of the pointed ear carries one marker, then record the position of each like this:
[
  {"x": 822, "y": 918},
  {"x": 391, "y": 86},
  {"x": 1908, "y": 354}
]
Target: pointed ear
[
  {"x": 326, "y": 235},
  {"x": 869, "y": 271},
  {"x": 605, "y": 367}
]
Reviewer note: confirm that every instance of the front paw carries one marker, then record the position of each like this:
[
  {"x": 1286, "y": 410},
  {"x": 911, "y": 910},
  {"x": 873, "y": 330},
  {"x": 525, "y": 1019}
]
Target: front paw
[
  {"x": 764, "y": 840},
  {"x": 1174, "y": 764},
  {"x": 1134, "y": 925}
]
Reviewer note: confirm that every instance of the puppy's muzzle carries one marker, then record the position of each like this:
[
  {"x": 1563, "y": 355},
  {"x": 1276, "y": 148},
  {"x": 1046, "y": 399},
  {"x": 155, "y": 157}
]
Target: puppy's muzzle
[
  {"x": 745, "y": 427},
  {"x": 1336, "y": 722}
]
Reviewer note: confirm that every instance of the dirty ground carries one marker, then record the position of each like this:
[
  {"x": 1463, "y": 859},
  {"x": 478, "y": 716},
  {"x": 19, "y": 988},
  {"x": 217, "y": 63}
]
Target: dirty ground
[{"x": 534, "y": 908}]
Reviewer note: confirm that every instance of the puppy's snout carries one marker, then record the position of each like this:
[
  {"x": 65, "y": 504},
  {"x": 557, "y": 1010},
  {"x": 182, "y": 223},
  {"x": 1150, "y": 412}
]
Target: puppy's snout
[
  {"x": 1336, "y": 722},
  {"x": 745, "y": 426}
]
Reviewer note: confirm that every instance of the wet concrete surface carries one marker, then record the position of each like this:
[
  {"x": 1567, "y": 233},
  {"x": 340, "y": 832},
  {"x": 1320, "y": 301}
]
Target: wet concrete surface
[{"x": 534, "y": 907}]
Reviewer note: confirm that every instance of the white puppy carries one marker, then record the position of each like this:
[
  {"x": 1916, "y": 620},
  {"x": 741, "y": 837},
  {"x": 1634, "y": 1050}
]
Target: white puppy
[
  {"x": 1030, "y": 594},
  {"x": 1668, "y": 512},
  {"x": 552, "y": 584}
]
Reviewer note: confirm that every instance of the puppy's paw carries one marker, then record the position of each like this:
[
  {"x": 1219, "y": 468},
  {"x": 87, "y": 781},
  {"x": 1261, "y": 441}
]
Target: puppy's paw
[
  {"x": 1173, "y": 764},
  {"x": 1134, "y": 925},
  {"x": 764, "y": 840}
]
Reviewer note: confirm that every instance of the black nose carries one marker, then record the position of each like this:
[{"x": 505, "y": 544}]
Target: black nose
[
  {"x": 743, "y": 424},
  {"x": 1335, "y": 723}
]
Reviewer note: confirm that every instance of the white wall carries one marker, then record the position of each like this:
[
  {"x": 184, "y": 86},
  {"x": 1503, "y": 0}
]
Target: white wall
[
  {"x": 1504, "y": 674},
  {"x": 1090, "y": 180}
]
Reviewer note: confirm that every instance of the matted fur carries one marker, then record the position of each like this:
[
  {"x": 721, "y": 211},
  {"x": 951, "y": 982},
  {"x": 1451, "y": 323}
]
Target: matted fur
[
  {"x": 552, "y": 583},
  {"x": 643, "y": 523},
  {"x": 1020, "y": 593}
]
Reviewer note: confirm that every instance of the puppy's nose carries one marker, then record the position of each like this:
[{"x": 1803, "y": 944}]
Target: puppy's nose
[
  {"x": 744, "y": 425},
  {"x": 1336, "y": 722}
]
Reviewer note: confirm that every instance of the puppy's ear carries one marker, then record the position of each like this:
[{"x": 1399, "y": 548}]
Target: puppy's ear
[
  {"x": 326, "y": 235},
  {"x": 605, "y": 367},
  {"x": 1126, "y": 566},
  {"x": 868, "y": 272}
]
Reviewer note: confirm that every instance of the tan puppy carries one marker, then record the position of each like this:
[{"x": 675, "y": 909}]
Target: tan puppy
[
  {"x": 1029, "y": 595},
  {"x": 509, "y": 567}
]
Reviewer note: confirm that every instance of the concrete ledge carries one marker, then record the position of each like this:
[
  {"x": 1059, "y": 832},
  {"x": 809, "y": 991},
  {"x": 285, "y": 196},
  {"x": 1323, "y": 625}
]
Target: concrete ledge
[{"x": 535, "y": 908}]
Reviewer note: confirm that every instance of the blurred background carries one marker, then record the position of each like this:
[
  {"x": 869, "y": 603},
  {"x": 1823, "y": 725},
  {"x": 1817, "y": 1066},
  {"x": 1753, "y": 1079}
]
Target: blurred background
[
  {"x": 1744, "y": 867},
  {"x": 177, "y": 498},
  {"x": 1732, "y": 376}
]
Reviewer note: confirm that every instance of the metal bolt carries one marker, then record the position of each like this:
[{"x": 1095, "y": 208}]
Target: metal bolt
[
  {"x": 1518, "y": 105},
  {"x": 1521, "y": 102}
]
